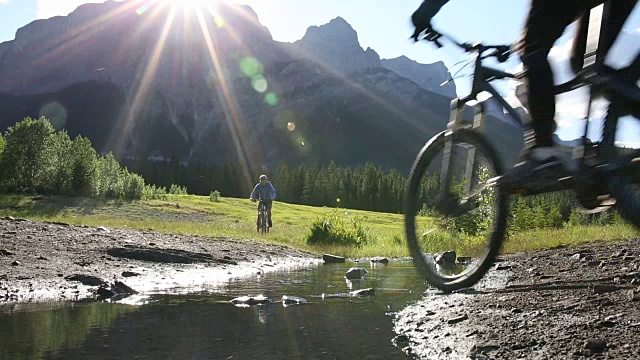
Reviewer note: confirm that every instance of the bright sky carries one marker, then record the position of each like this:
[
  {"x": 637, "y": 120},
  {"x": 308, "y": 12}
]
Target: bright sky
[{"x": 381, "y": 24}]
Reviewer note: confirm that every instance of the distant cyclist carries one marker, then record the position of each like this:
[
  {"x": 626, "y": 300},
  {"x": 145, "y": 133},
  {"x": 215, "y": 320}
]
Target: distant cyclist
[
  {"x": 546, "y": 21},
  {"x": 264, "y": 191}
]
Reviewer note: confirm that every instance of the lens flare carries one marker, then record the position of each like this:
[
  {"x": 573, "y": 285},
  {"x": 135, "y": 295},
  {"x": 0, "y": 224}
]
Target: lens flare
[
  {"x": 271, "y": 99},
  {"x": 259, "y": 84},
  {"x": 291, "y": 126},
  {"x": 251, "y": 67},
  {"x": 56, "y": 114}
]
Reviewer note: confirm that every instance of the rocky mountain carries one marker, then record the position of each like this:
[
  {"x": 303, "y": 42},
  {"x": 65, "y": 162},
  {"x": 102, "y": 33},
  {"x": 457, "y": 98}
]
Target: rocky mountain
[
  {"x": 152, "y": 83},
  {"x": 430, "y": 77}
]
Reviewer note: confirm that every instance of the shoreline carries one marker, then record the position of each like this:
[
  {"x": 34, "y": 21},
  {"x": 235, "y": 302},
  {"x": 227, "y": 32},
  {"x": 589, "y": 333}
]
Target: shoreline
[{"x": 38, "y": 260}]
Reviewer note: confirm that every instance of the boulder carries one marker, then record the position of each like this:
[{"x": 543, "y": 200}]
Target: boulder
[
  {"x": 379, "y": 259},
  {"x": 355, "y": 273}
]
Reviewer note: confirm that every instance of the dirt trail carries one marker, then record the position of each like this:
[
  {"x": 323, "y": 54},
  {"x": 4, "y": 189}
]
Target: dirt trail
[
  {"x": 560, "y": 303},
  {"x": 49, "y": 261}
]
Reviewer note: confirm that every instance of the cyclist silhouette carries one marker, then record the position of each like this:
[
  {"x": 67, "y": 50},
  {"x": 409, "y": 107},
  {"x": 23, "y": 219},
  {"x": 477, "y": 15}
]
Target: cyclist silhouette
[
  {"x": 545, "y": 23},
  {"x": 265, "y": 192}
]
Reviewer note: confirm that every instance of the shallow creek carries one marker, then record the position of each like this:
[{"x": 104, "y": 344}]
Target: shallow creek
[{"x": 202, "y": 323}]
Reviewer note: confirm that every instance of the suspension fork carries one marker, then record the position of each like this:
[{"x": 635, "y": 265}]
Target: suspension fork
[{"x": 456, "y": 121}]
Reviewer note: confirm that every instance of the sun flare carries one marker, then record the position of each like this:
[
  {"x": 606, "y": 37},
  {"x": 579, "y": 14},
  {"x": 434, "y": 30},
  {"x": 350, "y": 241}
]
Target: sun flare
[{"x": 191, "y": 3}]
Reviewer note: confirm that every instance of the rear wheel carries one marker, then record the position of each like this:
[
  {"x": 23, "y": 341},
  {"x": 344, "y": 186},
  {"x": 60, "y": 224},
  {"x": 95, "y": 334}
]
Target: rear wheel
[{"x": 455, "y": 227}]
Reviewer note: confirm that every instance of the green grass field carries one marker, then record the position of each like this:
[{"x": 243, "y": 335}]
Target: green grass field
[{"x": 197, "y": 215}]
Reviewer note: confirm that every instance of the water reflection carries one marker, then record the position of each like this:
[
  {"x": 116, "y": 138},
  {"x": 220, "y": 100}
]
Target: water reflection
[
  {"x": 31, "y": 332},
  {"x": 207, "y": 326}
]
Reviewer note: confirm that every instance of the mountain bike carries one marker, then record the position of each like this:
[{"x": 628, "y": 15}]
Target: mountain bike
[
  {"x": 454, "y": 199},
  {"x": 263, "y": 218}
]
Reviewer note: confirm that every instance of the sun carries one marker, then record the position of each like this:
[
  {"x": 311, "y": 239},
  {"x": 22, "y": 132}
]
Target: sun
[{"x": 191, "y": 3}]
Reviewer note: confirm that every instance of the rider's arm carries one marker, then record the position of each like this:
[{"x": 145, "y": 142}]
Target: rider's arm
[
  {"x": 272, "y": 191},
  {"x": 254, "y": 193},
  {"x": 421, "y": 18}
]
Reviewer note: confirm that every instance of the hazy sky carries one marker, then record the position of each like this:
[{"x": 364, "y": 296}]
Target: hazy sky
[{"x": 381, "y": 24}]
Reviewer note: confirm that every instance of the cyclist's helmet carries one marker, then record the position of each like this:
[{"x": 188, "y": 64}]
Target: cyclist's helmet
[{"x": 263, "y": 177}]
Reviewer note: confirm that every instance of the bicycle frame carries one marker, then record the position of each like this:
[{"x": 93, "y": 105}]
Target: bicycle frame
[{"x": 604, "y": 82}]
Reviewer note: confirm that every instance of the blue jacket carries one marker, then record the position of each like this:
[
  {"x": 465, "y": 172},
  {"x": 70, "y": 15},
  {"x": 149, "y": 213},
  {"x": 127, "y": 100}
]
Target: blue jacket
[{"x": 263, "y": 192}]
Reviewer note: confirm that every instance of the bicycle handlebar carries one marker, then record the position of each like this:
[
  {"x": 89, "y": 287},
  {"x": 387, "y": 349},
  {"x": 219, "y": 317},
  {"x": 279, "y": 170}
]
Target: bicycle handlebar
[{"x": 501, "y": 52}]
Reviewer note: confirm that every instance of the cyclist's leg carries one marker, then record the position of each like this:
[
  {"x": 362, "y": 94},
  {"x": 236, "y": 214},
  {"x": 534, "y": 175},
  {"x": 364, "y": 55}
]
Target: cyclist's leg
[
  {"x": 258, "y": 219},
  {"x": 269, "y": 205},
  {"x": 619, "y": 13},
  {"x": 545, "y": 23}
]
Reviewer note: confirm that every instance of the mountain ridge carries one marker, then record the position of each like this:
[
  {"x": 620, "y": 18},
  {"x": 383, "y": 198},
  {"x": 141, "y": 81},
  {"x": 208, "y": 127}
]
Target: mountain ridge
[{"x": 231, "y": 93}]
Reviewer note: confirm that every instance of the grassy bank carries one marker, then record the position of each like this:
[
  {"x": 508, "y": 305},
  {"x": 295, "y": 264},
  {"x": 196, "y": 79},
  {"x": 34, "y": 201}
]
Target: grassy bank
[{"x": 196, "y": 215}]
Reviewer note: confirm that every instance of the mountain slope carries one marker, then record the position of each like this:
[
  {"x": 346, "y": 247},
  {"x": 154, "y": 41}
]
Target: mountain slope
[{"x": 153, "y": 85}]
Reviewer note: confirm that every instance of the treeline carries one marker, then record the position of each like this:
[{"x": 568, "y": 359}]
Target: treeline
[
  {"x": 365, "y": 187},
  {"x": 35, "y": 158}
]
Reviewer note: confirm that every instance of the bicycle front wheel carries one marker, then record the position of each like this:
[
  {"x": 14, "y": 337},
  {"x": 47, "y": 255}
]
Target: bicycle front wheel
[
  {"x": 624, "y": 185},
  {"x": 455, "y": 220}
]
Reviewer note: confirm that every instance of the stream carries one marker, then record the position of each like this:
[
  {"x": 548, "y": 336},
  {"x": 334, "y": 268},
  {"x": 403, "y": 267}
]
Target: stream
[{"x": 204, "y": 324}]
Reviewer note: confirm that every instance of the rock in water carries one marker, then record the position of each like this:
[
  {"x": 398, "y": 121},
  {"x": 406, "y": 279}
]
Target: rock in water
[
  {"x": 363, "y": 292},
  {"x": 292, "y": 300},
  {"x": 332, "y": 259},
  {"x": 379, "y": 259},
  {"x": 356, "y": 273},
  {"x": 250, "y": 300},
  {"x": 446, "y": 259}
]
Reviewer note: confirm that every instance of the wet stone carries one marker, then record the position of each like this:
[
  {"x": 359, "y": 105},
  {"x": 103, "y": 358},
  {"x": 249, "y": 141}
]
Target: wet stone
[
  {"x": 333, "y": 259},
  {"x": 363, "y": 292},
  {"x": 250, "y": 300},
  {"x": 292, "y": 300},
  {"x": 379, "y": 259},
  {"x": 16, "y": 263},
  {"x": 355, "y": 273},
  {"x": 5, "y": 252}
]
